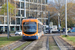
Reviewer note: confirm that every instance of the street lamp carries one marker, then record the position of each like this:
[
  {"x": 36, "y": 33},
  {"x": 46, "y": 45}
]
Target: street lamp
[
  {"x": 58, "y": 21},
  {"x": 7, "y": 20},
  {"x": 25, "y": 8},
  {"x": 44, "y": 17},
  {"x": 20, "y": 21},
  {"x": 66, "y": 16},
  {"x": 49, "y": 17}
]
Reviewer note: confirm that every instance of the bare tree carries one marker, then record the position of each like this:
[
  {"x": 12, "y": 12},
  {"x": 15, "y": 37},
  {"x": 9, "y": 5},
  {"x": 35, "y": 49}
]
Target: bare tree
[{"x": 58, "y": 6}]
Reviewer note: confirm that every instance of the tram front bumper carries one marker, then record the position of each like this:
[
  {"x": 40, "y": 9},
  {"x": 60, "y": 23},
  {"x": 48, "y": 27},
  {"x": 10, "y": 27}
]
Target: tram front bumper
[{"x": 30, "y": 37}]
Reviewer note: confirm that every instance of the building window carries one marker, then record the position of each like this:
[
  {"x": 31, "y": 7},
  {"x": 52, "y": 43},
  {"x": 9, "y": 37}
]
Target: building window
[
  {"x": 43, "y": 1},
  {"x": 43, "y": 8},
  {"x": 18, "y": 13},
  {"x": 22, "y": 13},
  {"x": 12, "y": 28},
  {"x": 5, "y": 20},
  {"x": 1, "y": 28},
  {"x": 31, "y": 0},
  {"x": 1, "y": 20},
  {"x": 18, "y": 20},
  {"x": 39, "y": 1},
  {"x": 18, "y": 4},
  {"x": 22, "y": 0},
  {"x": 22, "y": 4},
  {"x": 27, "y": 13},
  {"x": 33, "y": 6},
  {"x": 27, "y": 0},
  {"x": 32, "y": 13},
  {"x": 27, "y": 5},
  {"x": 35, "y": 1},
  {"x": 12, "y": 20},
  {"x": 17, "y": 28},
  {"x": 35, "y": 14},
  {"x": 46, "y": 1},
  {"x": 39, "y": 7},
  {"x": 1, "y": 2}
]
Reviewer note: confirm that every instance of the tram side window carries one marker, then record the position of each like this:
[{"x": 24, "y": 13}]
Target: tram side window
[{"x": 39, "y": 28}]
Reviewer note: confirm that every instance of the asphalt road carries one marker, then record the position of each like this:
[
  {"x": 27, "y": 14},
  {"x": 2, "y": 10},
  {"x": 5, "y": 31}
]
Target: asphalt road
[
  {"x": 51, "y": 34},
  {"x": 58, "y": 34}
]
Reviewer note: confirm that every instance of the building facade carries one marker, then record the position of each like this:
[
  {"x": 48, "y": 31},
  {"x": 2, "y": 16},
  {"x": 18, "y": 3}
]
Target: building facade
[{"x": 35, "y": 8}]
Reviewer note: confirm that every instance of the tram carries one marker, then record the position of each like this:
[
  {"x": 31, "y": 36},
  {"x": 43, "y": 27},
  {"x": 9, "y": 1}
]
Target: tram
[{"x": 32, "y": 29}]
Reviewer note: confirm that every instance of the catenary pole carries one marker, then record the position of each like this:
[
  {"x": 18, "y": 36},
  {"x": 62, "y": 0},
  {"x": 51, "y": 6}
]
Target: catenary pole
[
  {"x": 66, "y": 16},
  {"x": 58, "y": 21},
  {"x": 25, "y": 8},
  {"x": 48, "y": 17},
  {"x": 7, "y": 20}
]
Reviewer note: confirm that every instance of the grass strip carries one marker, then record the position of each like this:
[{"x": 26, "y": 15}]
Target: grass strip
[
  {"x": 52, "y": 45},
  {"x": 4, "y": 41},
  {"x": 22, "y": 46},
  {"x": 70, "y": 38}
]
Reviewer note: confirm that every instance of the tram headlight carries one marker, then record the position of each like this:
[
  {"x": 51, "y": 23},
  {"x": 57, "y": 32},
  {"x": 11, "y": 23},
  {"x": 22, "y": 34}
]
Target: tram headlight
[
  {"x": 23, "y": 35},
  {"x": 36, "y": 35}
]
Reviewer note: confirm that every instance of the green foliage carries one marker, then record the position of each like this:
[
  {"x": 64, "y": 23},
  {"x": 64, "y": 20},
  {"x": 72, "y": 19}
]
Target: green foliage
[
  {"x": 12, "y": 31},
  {"x": 10, "y": 9}
]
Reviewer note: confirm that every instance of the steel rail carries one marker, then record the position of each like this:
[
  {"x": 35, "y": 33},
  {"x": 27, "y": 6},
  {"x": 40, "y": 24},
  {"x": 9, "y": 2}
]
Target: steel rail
[
  {"x": 18, "y": 46},
  {"x": 47, "y": 44},
  {"x": 57, "y": 43},
  {"x": 28, "y": 45}
]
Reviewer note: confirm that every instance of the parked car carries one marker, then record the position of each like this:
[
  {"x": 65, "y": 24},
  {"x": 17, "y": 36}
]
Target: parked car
[
  {"x": 73, "y": 29},
  {"x": 18, "y": 33},
  {"x": 54, "y": 29}
]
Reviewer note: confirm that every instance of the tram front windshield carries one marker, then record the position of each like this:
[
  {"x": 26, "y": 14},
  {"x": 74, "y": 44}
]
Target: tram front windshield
[{"x": 29, "y": 27}]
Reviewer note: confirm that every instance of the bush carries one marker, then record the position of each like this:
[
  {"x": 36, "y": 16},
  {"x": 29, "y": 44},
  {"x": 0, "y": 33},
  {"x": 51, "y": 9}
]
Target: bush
[
  {"x": 65, "y": 35},
  {"x": 9, "y": 32},
  {"x": 12, "y": 31}
]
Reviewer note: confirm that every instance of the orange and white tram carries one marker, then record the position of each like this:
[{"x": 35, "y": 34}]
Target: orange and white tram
[{"x": 32, "y": 29}]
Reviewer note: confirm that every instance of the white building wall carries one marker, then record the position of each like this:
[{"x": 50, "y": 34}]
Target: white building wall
[{"x": 38, "y": 11}]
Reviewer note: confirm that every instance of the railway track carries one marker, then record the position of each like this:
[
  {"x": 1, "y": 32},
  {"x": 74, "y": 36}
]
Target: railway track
[
  {"x": 63, "y": 45},
  {"x": 44, "y": 43},
  {"x": 39, "y": 44},
  {"x": 53, "y": 44},
  {"x": 18, "y": 45},
  {"x": 47, "y": 43},
  {"x": 24, "y": 45},
  {"x": 28, "y": 47}
]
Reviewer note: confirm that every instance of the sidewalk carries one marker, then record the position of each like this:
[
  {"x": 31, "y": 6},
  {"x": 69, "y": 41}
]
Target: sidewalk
[{"x": 5, "y": 35}]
